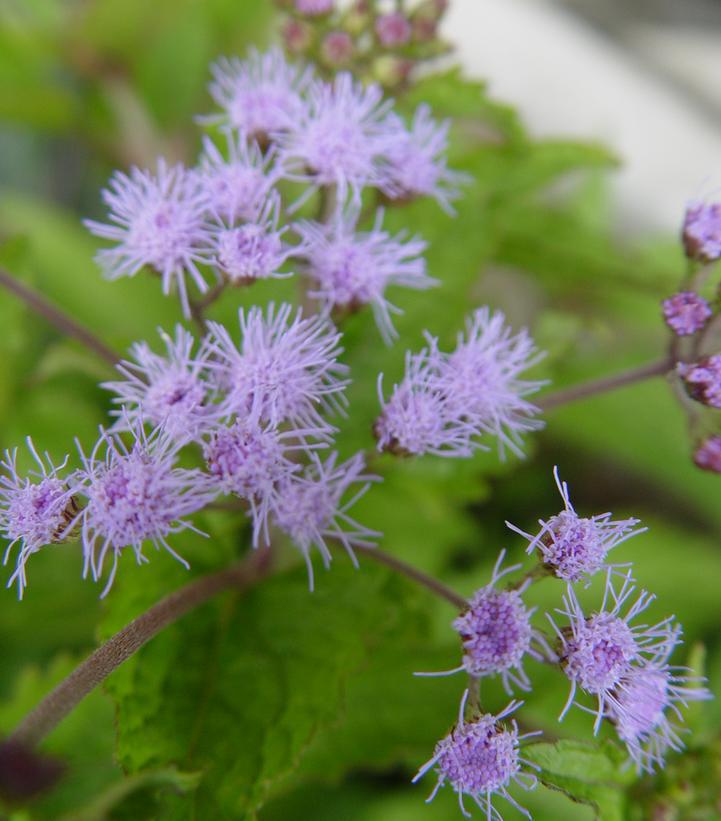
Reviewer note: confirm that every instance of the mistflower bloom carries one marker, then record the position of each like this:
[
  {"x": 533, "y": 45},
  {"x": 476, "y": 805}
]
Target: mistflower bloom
[
  {"x": 236, "y": 188},
  {"x": 415, "y": 162},
  {"x": 254, "y": 250},
  {"x": 417, "y": 419},
  {"x": 35, "y": 510},
  {"x": 352, "y": 269},
  {"x": 393, "y": 29},
  {"x": 481, "y": 758},
  {"x": 249, "y": 459},
  {"x": 156, "y": 220},
  {"x": 686, "y": 312},
  {"x": 703, "y": 379},
  {"x": 482, "y": 378},
  {"x": 574, "y": 547},
  {"x": 310, "y": 508},
  {"x": 286, "y": 368},
  {"x": 708, "y": 454},
  {"x": 496, "y": 632},
  {"x": 260, "y": 96},
  {"x": 340, "y": 137},
  {"x": 169, "y": 392},
  {"x": 702, "y": 231},
  {"x": 597, "y": 651},
  {"x": 134, "y": 495},
  {"x": 314, "y": 8},
  {"x": 643, "y": 706}
]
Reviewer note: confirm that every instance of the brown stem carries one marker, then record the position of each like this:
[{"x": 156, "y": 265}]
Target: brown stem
[
  {"x": 606, "y": 383},
  {"x": 109, "y": 656},
  {"x": 55, "y": 316},
  {"x": 416, "y": 575}
]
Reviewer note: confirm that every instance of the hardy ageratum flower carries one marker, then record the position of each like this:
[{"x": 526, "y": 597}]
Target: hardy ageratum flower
[
  {"x": 254, "y": 250},
  {"x": 686, "y": 312},
  {"x": 310, "y": 508},
  {"x": 415, "y": 163},
  {"x": 340, "y": 137},
  {"x": 260, "y": 96},
  {"x": 417, "y": 418},
  {"x": 481, "y": 758},
  {"x": 134, "y": 495},
  {"x": 482, "y": 379},
  {"x": 36, "y": 510},
  {"x": 169, "y": 391},
  {"x": 702, "y": 231},
  {"x": 703, "y": 379},
  {"x": 236, "y": 188},
  {"x": 708, "y": 455},
  {"x": 354, "y": 269},
  {"x": 286, "y": 368},
  {"x": 597, "y": 652},
  {"x": 572, "y": 547},
  {"x": 159, "y": 221}
]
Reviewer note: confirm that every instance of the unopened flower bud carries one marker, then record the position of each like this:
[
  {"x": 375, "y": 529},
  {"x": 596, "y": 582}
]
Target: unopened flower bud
[
  {"x": 297, "y": 36},
  {"x": 337, "y": 48},
  {"x": 393, "y": 29},
  {"x": 702, "y": 380},
  {"x": 708, "y": 455},
  {"x": 686, "y": 312},
  {"x": 702, "y": 231},
  {"x": 314, "y": 8}
]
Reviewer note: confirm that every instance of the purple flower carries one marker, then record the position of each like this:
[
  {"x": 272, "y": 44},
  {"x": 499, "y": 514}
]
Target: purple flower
[
  {"x": 417, "y": 418},
  {"x": 260, "y": 96},
  {"x": 393, "y": 29},
  {"x": 702, "y": 231},
  {"x": 481, "y": 758},
  {"x": 169, "y": 391},
  {"x": 496, "y": 632},
  {"x": 155, "y": 220},
  {"x": 254, "y": 250},
  {"x": 337, "y": 48},
  {"x": 708, "y": 454},
  {"x": 35, "y": 510},
  {"x": 314, "y": 8},
  {"x": 133, "y": 495},
  {"x": 703, "y": 379},
  {"x": 286, "y": 368},
  {"x": 340, "y": 138},
  {"x": 481, "y": 378},
  {"x": 311, "y": 510},
  {"x": 643, "y": 705},
  {"x": 415, "y": 163},
  {"x": 352, "y": 269},
  {"x": 598, "y": 651},
  {"x": 236, "y": 188},
  {"x": 686, "y": 312},
  {"x": 575, "y": 548}
]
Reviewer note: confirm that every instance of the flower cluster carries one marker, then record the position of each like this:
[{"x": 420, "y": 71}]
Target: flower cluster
[
  {"x": 624, "y": 666},
  {"x": 447, "y": 401},
  {"x": 225, "y": 220}
]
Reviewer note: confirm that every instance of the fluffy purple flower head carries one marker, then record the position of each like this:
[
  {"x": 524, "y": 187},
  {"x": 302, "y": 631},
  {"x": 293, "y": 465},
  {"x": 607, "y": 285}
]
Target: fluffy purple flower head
[
  {"x": 642, "y": 709},
  {"x": 703, "y": 379},
  {"x": 314, "y": 8},
  {"x": 158, "y": 220},
  {"x": 415, "y": 163},
  {"x": 496, "y": 632},
  {"x": 133, "y": 495},
  {"x": 310, "y": 508},
  {"x": 482, "y": 378},
  {"x": 686, "y": 312},
  {"x": 169, "y": 392},
  {"x": 236, "y": 188},
  {"x": 574, "y": 547},
  {"x": 286, "y": 368},
  {"x": 417, "y": 418},
  {"x": 598, "y": 651},
  {"x": 260, "y": 96},
  {"x": 702, "y": 231},
  {"x": 481, "y": 758},
  {"x": 254, "y": 250},
  {"x": 35, "y": 510},
  {"x": 352, "y": 269},
  {"x": 708, "y": 454},
  {"x": 340, "y": 138},
  {"x": 393, "y": 29}
]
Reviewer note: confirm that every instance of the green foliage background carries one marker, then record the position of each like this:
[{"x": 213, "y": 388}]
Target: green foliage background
[{"x": 281, "y": 705}]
